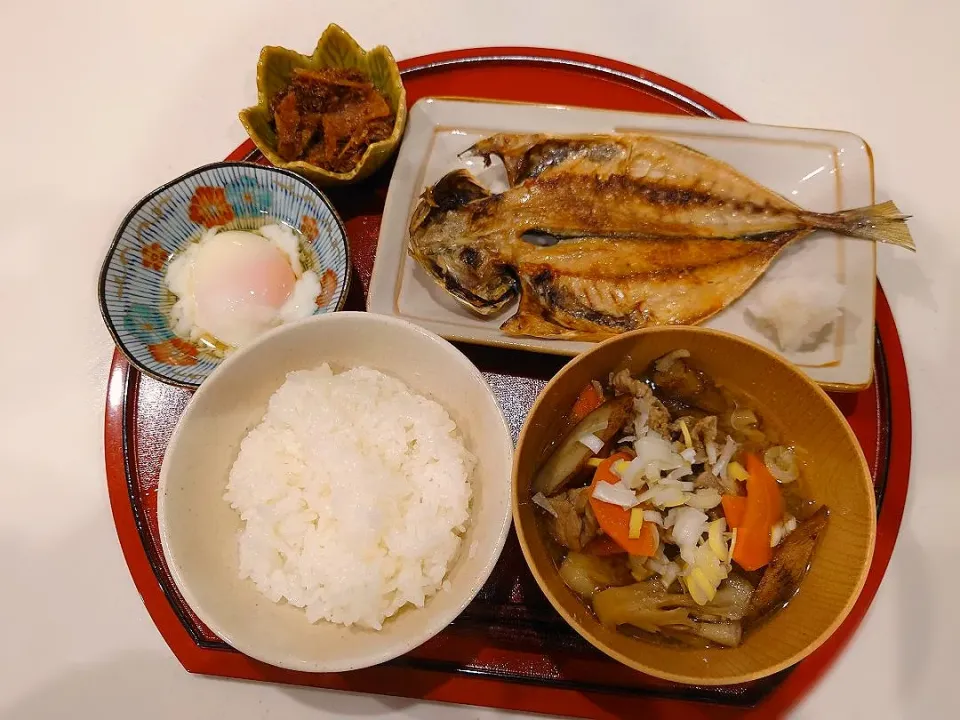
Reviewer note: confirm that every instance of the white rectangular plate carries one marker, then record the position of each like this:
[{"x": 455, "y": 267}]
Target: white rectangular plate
[{"x": 819, "y": 170}]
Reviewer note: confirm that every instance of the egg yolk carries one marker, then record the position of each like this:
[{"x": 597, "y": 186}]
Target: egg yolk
[{"x": 240, "y": 281}]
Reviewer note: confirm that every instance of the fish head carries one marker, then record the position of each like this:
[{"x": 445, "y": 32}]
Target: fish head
[
  {"x": 469, "y": 267},
  {"x": 472, "y": 273}
]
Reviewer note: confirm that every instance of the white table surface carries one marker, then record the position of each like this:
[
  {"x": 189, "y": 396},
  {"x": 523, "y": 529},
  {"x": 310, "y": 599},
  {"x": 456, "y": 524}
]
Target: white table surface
[{"x": 106, "y": 99}]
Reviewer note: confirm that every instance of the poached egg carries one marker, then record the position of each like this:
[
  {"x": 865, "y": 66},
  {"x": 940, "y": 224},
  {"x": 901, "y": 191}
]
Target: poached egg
[{"x": 233, "y": 285}]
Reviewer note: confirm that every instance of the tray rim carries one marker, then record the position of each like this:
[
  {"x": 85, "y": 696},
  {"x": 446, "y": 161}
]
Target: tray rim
[{"x": 421, "y": 682}]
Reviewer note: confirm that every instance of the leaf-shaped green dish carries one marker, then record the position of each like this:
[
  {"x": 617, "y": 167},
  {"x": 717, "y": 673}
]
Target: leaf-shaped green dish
[{"x": 334, "y": 49}]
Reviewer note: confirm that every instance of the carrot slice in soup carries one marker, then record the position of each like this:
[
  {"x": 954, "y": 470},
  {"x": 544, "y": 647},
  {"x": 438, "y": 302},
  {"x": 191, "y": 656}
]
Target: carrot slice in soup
[
  {"x": 762, "y": 482},
  {"x": 587, "y": 401},
  {"x": 764, "y": 508},
  {"x": 734, "y": 509},
  {"x": 752, "y": 550},
  {"x": 615, "y": 520}
]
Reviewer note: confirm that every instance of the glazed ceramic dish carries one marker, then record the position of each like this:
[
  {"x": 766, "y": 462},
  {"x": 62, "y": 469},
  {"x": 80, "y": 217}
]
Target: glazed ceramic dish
[
  {"x": 835, "y": 474},
  {"x": 335, "y": 49},
  {"x": 136, "y": 305},
  {"x": 817, "y": 169},
  {"x": 198, "y": 529}
]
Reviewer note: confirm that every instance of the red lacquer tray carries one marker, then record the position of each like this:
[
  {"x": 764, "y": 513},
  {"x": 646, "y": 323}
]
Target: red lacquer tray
[{"x": 509, "y": 649}]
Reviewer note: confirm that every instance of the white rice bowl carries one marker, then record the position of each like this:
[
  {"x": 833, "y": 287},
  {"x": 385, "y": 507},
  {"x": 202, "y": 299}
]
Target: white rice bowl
[{"x": 354, "y": 493}]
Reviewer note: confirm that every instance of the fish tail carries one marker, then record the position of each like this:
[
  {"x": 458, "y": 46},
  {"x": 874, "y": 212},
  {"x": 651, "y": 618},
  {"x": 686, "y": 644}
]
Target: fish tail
[{"x": 880, "y": 223}]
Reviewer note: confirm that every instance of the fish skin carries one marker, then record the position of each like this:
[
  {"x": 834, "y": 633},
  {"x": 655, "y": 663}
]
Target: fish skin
[
  {"x": 527, "y": 156},
  {"x": 650, "y": 233},
  {"x": 654, "y": 186},
  {"x": 592, "y": 289}
]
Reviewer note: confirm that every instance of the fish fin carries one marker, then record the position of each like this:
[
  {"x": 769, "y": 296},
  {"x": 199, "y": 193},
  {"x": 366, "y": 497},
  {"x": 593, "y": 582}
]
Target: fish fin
[
  {"x": 531, "y": 319},
  {"x": 535, "y": 318},
  {"x": 529, "y": 325},
  {"x": 880, "y": 223},
  {"x": 538, "y": 325},
  {"x": 485, "y": 148},
  {"x": 510, "y": 148},
  {"x": 476, "y": 151}
]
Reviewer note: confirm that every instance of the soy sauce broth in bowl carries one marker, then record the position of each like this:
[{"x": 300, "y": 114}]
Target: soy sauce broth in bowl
[{"x": 693, "y": 506}]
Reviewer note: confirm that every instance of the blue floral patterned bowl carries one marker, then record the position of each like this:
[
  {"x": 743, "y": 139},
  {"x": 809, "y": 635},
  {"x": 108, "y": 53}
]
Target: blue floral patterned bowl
[{"x": 136, "y": 304}]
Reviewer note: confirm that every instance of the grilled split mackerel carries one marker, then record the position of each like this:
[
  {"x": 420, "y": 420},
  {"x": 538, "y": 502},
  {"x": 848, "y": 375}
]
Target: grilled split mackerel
[{"x": 604, "y": 234}]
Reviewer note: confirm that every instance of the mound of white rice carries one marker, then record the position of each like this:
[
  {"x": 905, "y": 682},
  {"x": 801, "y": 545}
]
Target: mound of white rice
[{"x": 354, "y": 492}]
